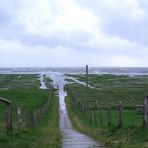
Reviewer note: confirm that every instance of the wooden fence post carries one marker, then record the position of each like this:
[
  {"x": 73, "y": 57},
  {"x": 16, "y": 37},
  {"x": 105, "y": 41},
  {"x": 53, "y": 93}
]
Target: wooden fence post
[
  {"x": 79, "y": 104},
  {"x": 87, "y": 114},
  {"x": 87, "y": 76},
  {"x": 109, "y": 117},
  {"x": 33, "y": 119},
  {"x": 145, "y": 116},
  {"x": 8, "y": 105},
  {"x": 90, "y": 117},
  {"x": 28, "y": 118},
  {"x": 121, "y": 117},
  {"x": 81, "y": 107},
  {"x": 9, "y": 127},
  {"x": 37, "y": 116},
  {"x": 75, "y": 101},
  {"x": 19, "y": 113},
  {"x": 101, "y": 118},
  {"x": 84, "y": 110},
  {"x": 95, "y": 117}
]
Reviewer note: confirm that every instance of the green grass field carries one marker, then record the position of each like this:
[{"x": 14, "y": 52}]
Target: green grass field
[
  {"x": 23, "y": 91},
  {"x": 19, "y": 81},
  {"x": 112, "y": 90}
]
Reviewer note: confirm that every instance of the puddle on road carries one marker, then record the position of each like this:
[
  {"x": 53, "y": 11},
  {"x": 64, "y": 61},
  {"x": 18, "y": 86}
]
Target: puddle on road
[{"x": 71, "y": 137}]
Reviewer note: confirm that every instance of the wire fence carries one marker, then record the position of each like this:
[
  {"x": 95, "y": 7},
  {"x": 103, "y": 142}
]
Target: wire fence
[
  {"x": 21, "y": 118},
  {"x": 114, "y": 116}
]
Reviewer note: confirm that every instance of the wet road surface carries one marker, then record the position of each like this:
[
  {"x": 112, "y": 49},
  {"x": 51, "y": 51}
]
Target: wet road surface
[{"x": 71, "y": 137}]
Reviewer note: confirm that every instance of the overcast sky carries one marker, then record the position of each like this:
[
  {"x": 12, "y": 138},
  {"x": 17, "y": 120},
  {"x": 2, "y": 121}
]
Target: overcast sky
[{"x": 51, "y": 33}]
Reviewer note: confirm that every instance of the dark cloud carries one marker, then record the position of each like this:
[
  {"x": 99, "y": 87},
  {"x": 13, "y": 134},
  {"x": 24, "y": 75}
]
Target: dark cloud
[
  {"x": 119, "y": 22},
  {"x": 77, "y": 29}
]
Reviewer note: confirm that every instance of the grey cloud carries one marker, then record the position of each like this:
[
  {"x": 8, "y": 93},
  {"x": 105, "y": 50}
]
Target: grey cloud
[
  {"x": 7, "y": 12},
  {"x": 113, "y": 24},
  {"x": 11, "y": 27},
  {"x": 120, "y": 24}
]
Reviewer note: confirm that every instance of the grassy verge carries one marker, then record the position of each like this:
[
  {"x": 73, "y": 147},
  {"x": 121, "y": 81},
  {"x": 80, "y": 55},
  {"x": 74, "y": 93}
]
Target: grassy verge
[
  {"x": 128, "y": 137},
  {"x": 26, "y": 98},
  {"x": 129, "y": 90},
  {"x": 45, "y": 135},
  {"x": 23, "y": 90}
]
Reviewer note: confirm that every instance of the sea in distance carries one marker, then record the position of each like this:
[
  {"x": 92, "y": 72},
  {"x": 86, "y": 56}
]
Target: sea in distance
[{"x": 78, "y": 70}]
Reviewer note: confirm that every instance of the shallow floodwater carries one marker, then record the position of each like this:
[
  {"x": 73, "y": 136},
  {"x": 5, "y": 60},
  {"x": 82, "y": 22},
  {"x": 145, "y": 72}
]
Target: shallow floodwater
[
  {"x": 80, "y": 82},
  {"x": 4, "y": 88},
  {"x": 71, "y": 137},
  {"x": 42, "y": 83}
]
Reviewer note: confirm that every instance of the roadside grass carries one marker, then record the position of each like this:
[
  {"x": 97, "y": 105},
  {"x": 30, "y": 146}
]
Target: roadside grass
[
  {"x": 26, "y": 99},
  {"x": 131, "y": 119},
  {"x": 23, "y": 91},
  {"x": 129, "y": 90},
  {"x": 113, "y": 137},
  {"x": 45, "y": 135}
]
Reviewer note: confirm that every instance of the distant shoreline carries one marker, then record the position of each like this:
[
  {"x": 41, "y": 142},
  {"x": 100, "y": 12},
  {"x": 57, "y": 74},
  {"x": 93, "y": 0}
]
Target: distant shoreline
[{"x": 132, "y": 71}]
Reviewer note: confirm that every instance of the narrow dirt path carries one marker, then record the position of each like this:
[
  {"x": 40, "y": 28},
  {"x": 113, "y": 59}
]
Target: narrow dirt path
[{"x": 71, "y": 137}]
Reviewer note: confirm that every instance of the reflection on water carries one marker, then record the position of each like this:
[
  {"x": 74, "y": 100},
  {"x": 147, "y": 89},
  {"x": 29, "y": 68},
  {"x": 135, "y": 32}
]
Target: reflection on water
[
  {"x": 58, "y": 83},
  {"x": 42, "y": 83},
  {"x": 71, "y": 137}
]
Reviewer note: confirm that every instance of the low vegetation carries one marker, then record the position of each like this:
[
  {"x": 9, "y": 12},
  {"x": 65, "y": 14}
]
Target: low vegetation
[
  {"x": 19, "y": 81},
  {"x": 47, "y": 81},
  {"x": 23, "y": 91},
  {"x": 110, "y": 90}
]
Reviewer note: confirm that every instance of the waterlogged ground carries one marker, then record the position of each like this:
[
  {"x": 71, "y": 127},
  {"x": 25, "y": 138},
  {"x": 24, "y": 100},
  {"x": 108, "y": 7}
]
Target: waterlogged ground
[
  {"x": 130, "y": 90},
  {"x": 32, "y": 90},
  {"x": 42, "y": 82},
  {"x": 19, "y": 81},
  {"x": 71, "y": 137},
  {"x": 74, "y": 79},
  {"x": 29, "y": 91}
]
